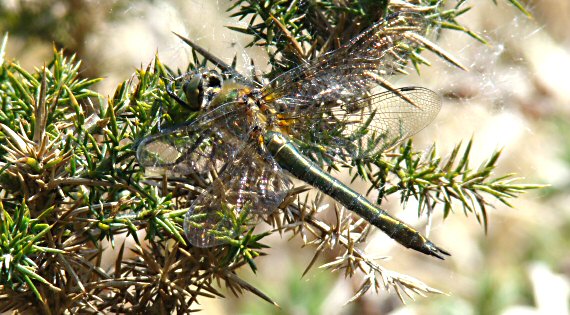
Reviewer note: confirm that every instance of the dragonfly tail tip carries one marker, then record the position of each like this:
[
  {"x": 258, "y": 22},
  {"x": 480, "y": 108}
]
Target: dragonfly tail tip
[
  {"x": 439, "y": 252},
  {"x": 430, "y": 249}
]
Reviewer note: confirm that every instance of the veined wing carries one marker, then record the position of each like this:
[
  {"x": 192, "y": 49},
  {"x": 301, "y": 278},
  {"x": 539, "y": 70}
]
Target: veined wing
[
  {"x": 247, "y": 190},
  {"x": 209, "y": 141},
  {"x": 236, "y": 177},
  {"x": 346, "y": 74},
  {"x": 367, "y": 126}
]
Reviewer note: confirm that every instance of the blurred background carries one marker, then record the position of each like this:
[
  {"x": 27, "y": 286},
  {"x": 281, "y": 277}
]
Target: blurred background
[{"x": 515, "y": 97}]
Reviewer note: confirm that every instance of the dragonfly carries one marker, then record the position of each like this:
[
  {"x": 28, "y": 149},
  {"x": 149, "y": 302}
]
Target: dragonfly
[{"x": 249, "y": 140}]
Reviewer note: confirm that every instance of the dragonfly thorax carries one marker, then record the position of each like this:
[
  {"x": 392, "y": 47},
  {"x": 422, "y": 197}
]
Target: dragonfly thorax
[{"x": 246, "y": 107}]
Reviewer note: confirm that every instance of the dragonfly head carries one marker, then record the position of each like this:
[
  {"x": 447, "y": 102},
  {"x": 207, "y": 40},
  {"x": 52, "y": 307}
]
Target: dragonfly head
[{"x": 200, "y": 88}]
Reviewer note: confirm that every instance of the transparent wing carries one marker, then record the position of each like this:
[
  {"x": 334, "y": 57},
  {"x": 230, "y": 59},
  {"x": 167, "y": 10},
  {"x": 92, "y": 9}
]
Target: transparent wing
[
  {"x": 346, "y": 74},
  {"x": 368, "y": 126},
  {"x": 248, "y": 190},
  {"x": 187, "y": 152},
  {"x": 214, "y": 151},
  {"x": 200, "y": 146}
]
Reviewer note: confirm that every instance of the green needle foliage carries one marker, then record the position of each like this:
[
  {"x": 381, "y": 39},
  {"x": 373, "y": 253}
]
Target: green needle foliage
[
  {"x": 434, "y": 180},
  {"x": 294, "y": 31},
  {"x": 71, "y": 187}
]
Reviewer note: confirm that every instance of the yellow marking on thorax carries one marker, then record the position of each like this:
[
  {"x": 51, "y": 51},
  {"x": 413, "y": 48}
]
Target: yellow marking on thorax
[{"x": 230, "y": 91}]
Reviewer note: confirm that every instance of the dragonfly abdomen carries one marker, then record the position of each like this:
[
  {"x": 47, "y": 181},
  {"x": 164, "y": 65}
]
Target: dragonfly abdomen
[{"x": 290, "y": 159}]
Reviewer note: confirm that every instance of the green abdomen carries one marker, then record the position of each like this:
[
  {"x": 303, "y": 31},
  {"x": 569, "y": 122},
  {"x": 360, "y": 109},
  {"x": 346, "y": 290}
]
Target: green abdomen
[{"x": 290, "y": 159}]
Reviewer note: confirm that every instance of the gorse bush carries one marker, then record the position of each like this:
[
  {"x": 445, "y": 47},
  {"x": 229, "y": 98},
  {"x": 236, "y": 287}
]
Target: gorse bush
[{"x": 70, "y": 179}]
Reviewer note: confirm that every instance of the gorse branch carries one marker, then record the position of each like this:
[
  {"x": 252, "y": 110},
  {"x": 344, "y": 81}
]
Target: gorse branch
[
  {"x": 69, "y": 181},
  {"x": 70, "y": 184}
]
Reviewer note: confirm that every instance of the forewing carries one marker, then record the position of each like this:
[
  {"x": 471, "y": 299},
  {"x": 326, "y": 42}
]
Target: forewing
[
  {"x": 370, "y": 125},
  {"x": 248, "y": 189},
  {"x": 346, "y": 74},
  {"x": 203, "y": 145}
]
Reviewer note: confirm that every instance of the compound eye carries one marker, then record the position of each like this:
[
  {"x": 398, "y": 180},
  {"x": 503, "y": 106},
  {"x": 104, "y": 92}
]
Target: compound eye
[
  {"x": 194, "y": 92},
  {"x": 213, "y": 79}
]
